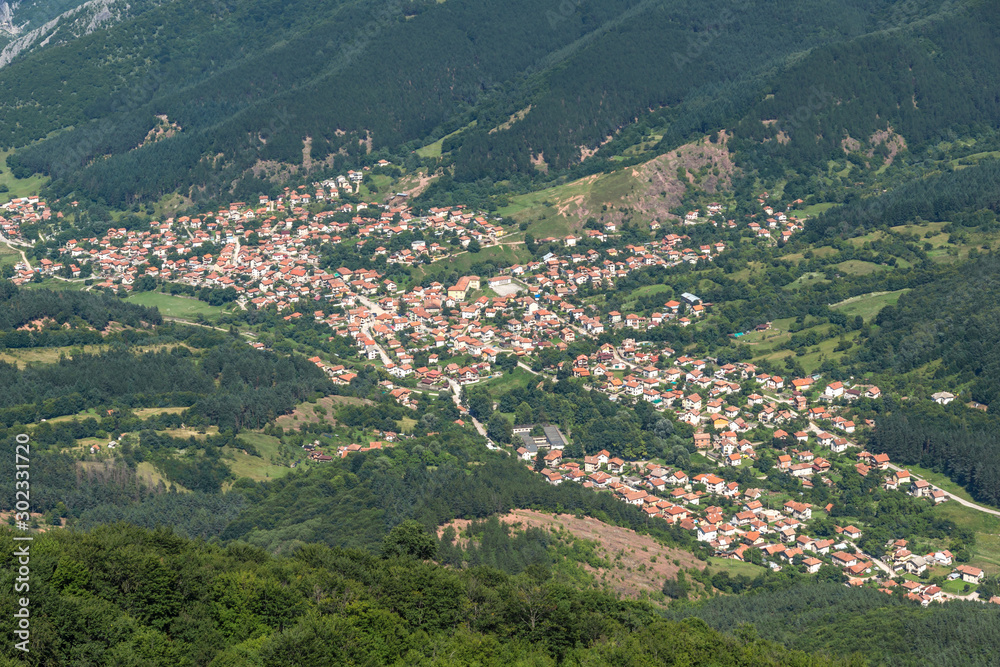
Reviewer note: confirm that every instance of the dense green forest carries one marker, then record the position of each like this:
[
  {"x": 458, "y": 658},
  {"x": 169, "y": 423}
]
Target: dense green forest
[
  {"x": 952, "y": 319},
  {"x": 354, "y": 502},
  {"x": 966, "y": 196},
  {"x": 943, "y": 331},
  {"x": 593, "y": 421},
  {"x": 886, "y": 630},
  {"x": 964, "y": 444},
  {"x": 345, "y": 73},
  {"x": 224, "y": 381},
  {"x": 121, "y": 595},
  {"x": 231, "y": 385},
  {"x": 88, "y": 310}
]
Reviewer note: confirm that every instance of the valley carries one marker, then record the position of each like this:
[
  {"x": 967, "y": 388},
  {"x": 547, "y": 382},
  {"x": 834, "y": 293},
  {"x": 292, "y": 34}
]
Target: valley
[{"x": 476, "y": 332}]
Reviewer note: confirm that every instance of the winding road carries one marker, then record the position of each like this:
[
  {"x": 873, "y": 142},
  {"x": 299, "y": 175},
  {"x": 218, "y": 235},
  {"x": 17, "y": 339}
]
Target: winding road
[{"x": 952, "y": 496}]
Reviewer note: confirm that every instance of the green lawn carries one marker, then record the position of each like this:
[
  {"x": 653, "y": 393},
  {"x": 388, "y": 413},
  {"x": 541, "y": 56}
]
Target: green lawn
[
  {"x": 502, "y": 255},
  {"x": 813, "y": 210},
  {"x": 868, "y": 305},
  {"x": 176, "y": 306},
  {"x": 960, "y": 163},
  {"x": 148, "y": 472},
  {"x": 856, "y": 267},
  {"x": 259, "y": 468},
  {"x": 8, "y": 256},
  {"x": 54, "y": 284},
  {"x": 434, "y": 149},
  {"x": 734, "y": 567},
  {"x": 17, "y": 187},
  {"x": 957, "y": 587},
  {"x": 942, "y": 481},
  {"x": 986, "y": 551},
  {"x": 806, "y": 280},
  {"x": 967, "y": 517},
  {"x": 508, "y": 381}
]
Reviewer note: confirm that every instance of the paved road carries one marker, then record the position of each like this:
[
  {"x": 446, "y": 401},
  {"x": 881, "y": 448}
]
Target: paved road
[
  {"x": 11, "y": 244},
  {"x": 366, "y": 328},
  {"x": 952, "y": 496},
  {"x": 455, "y": 389}
]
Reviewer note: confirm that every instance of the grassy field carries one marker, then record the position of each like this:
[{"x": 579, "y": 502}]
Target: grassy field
[
  {"x": 17, "y": 187},
  {"x": 176, "y": 306},
  {"x": 961, "y": 163},
  {"x": 501, "y": 254},
  {"x": 868, "y": 305},
  {"x": 734, "y": 567},
  {"x": 314, "y": 413},
  {"x": 434, "y": 149},
  {"x": 856, "y": 267},
  {"x": 859, "y": 241},
  {"x": 986, "y": 552},
  {"x": 196, "y": 433},
  {"x": 44, "y": 355},
  {"x": 807, "y": 280},
  {"x": 147, "y": 471},
  {"x": 8, "y": 256},
  {"x": 508, "y": 381},
  {"x": 546, "y": 210},
  {"x": 822, "y": 251},
  {"x": 141, "y": 413},
  {"x": 764, "y": 344},
  {"x": 380, "y": 185},
  {"x": 942, "y": 481},
  {"x": 54, "y": 284},
  {"x": 50, "y": 355},
  {"x": 813, "y": 209},
  {"x": 261, "y": 467}
]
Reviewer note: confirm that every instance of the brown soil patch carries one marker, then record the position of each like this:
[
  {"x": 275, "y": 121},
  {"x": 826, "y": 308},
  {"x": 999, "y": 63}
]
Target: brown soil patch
[
  {"x": 894, "y": 143},
  {"x": 514, "y": 118},
  {"x": 659, "y": 176},
  {"x": 415, "y": 185},
  {"x": 849, "y": 144},
  {"x": 539, "y": 163},
  {"x": 648, "y": 191},
  {"x": 626, "y": 577}
]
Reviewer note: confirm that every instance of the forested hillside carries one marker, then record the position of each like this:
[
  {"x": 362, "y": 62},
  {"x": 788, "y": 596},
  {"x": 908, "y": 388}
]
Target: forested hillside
[
  {"x": 952, "y": 319},
  {"x": 123, "y": 595},
  {"x": 227, "y": 383},
  {"x": 355, "y": 502},
  {"x": 325, "y": 83},
  {"x": 840, "y": 621}
]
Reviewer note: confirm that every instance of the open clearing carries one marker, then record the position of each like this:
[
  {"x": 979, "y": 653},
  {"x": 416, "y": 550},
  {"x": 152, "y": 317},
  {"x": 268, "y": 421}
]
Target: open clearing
[
  {"x": 175, "y": 306},
  {"x": 17, "y": 187},
  {"x": 50, "y": 355},
  {"x": 868, "y": 305},
  {"x": 639, "y": 563},
  {"x": 307, "y": 413},
  {"x": 260, "y": 468}
]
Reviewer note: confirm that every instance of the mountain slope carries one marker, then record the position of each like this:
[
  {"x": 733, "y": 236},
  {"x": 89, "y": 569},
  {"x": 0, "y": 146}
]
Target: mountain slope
[{"x": 258, "y": 84}]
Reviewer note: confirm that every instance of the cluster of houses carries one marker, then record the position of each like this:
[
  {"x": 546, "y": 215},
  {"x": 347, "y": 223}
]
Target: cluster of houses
[
  {"x": 316, "y": 453},
  {"x": 777, "y": 225},
  {"x": 778, "y": 533},
  {"x": 714, "y": 401}
]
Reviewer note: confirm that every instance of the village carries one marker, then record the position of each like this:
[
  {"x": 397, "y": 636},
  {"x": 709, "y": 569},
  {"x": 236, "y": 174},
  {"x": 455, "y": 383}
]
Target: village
[
  {"x": 754, "y": 520},
  {"x": 439, "y": 338}
]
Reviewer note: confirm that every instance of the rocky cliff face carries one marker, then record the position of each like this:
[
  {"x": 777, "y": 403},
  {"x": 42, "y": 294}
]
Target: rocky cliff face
[
  {"x": 70, "y": 24},
  {"x": 6, "y": 17}
]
